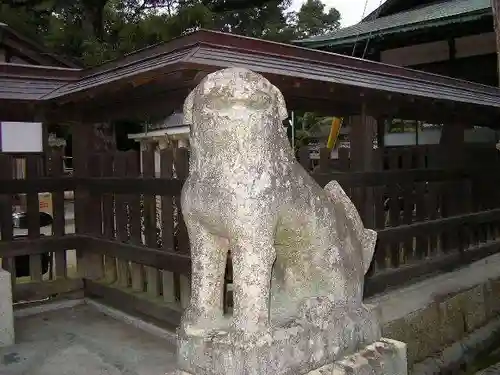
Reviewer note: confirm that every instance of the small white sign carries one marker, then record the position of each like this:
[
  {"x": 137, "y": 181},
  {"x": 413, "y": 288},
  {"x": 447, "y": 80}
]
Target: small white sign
[{"x": 21, "y": 137}]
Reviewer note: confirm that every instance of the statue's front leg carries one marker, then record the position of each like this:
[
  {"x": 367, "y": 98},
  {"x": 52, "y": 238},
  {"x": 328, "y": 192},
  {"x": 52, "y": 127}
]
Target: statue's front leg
[
  {"x": 253, "y": 255},
  {"x": 208, "y": 263}
]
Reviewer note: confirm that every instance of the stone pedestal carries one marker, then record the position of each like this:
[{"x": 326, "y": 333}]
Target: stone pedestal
[
  {"x": 295, "y": 347},
  {"x": 384, "y": 357},
  {"x": 6, "y": 310}
]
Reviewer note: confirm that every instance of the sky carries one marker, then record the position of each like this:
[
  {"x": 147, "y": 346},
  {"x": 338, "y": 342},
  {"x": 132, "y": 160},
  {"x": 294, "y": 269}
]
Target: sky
[{"x": 351, "y": 11}]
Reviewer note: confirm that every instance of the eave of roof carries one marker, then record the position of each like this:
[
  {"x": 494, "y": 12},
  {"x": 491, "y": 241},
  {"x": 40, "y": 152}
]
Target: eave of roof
[
  {"x": 224, "y": 50},
  {"x": 32, "y": 82},
  {"x": 206, "y": 51},
  {"x": 435, "y": 15}
]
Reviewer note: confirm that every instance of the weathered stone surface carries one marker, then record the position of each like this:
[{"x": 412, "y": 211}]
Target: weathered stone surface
[
  {"x": 247, "y": 193},
  {"x": 492, "y": 298},
  {"x": 294, "y": 348},
  {"x": 384, "y": 357},
  {"x": 299, "y": 252},
  {"x": 474, "y": 307},
  {"x": 451, "y": 317},
  {"x": 420, "y": 330},
  {"x": 6, "y": 310}
]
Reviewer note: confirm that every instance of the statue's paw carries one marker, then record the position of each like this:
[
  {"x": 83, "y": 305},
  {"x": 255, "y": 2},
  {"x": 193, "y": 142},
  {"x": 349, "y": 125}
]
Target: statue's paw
[
  {"x": 195, "y": 324},
  {"x": 249, "y": 332}
]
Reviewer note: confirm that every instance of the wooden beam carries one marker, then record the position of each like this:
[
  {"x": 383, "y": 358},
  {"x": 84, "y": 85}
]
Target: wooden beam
[
  {"x": 168, "y": 261},
  {"x": 399, "y": 277},
  {"x": 40, "y": 290},
  {"x": 495, "y": 6},
  {"x": 402, "y": 232},
  {"x": 135, "y": 303},
  {"x": 40, "y": 245}
]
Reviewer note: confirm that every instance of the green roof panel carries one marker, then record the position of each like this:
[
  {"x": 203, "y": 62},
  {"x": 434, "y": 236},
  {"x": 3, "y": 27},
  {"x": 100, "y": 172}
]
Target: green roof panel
[{"x": 428, "y": 16}]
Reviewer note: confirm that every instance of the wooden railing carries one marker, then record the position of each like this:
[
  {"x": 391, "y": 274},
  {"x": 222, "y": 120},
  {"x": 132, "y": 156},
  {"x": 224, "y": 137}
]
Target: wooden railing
[{"x": 133, "y": 251}]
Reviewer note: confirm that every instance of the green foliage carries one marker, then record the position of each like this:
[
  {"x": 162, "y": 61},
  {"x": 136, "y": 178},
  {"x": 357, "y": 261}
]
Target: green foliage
[
  {"x": 308, "y": 125},
  {"x": 93, "y": 31}
]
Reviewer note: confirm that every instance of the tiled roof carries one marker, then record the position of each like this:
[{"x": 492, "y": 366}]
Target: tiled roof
[{"x": 428, "y": 16}]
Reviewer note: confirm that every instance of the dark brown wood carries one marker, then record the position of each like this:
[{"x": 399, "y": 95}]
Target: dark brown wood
[
  {"x": 58, "y": 227},
  {"x": 37, "y": 185},
  {"x": 121, "y": 213},
  {"x": 120, "y": 169},
  {"x": 304, "y": 158},
  {"x": 381, "y": 251},
  {"x": 174, "y": 262},
  {"x": 36, "y": 291},
  {"x": 170, "y": 281},
  {"x": 394, "y": 210},
  {"x": 33, "y": 210},
  {"x": 181, "y": 164},
  {"x": 81, "y": 149},
  {"x": 361, "y": 140},
  {"x": 94, "y": 202},
  {"x": 441, "y": 264},
  {"x": 422, "y": 241},
  {"x": 108, "y": 222},
  {"x": 451, "y": 223},
  {"x": 148, "y": 170},
  {"x": 134, "y": 200},
  {"x": 147, "y": 185},
  {"x": 344, "y": 158},
  {"x": 107, "y": 199},
  {"x": 25, "y": 246},
  {"x": 324, "y": 159},
  {"x": 408, "y": 205},
  {"x": 153, "y": 281},
  {"x": 133, "y": 304},
  {"x": 161, "y": 186},
  {"x": 167, "y": 211},
  {"x": 495, "y": 7},
  {"x": 6, "y": 224},
  {"x": 396, "y": 175}
]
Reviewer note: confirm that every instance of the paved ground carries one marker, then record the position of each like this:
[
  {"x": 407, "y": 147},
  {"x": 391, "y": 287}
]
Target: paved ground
[{"x": 80, "y": 341}]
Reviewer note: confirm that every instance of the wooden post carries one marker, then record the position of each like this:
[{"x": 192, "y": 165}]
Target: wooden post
[
  {"x": 361, "y": 138},
  {"x": 495, "y": 6},
  {"x": 363, "y": 127},
  {"x": 89, "y": 265},
  {"x": 451, "y": 144}
]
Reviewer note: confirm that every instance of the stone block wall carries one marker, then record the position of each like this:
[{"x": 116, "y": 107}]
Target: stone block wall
[
  {"x": 435, "y": 314},
  {"x": 448, "y": 319}
]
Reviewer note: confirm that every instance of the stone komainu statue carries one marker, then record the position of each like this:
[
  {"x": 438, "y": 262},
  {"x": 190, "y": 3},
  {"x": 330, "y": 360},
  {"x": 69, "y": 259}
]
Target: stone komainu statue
[{"x": 295, "y": 247}]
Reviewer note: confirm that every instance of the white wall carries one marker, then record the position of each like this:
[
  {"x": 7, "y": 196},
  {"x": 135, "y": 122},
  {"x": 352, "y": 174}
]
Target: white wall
[{"x": 425, "y": 53}]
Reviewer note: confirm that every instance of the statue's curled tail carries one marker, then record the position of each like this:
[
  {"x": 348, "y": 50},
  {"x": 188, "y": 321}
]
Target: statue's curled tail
[{"x": 368, "y": 237}]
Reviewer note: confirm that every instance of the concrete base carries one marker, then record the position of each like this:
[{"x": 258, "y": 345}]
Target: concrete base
[
  {"x": 296, "y": 347},
  {"x": 6, "y": 310},
  {"x": 384, "y": 357}
]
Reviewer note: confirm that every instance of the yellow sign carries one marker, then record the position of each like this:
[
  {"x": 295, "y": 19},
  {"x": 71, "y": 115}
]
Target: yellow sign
[{"x": 334, "y": 132}]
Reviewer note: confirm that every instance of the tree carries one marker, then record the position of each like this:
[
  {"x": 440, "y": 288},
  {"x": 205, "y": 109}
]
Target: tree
[{"x": 312, "y": 20}]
